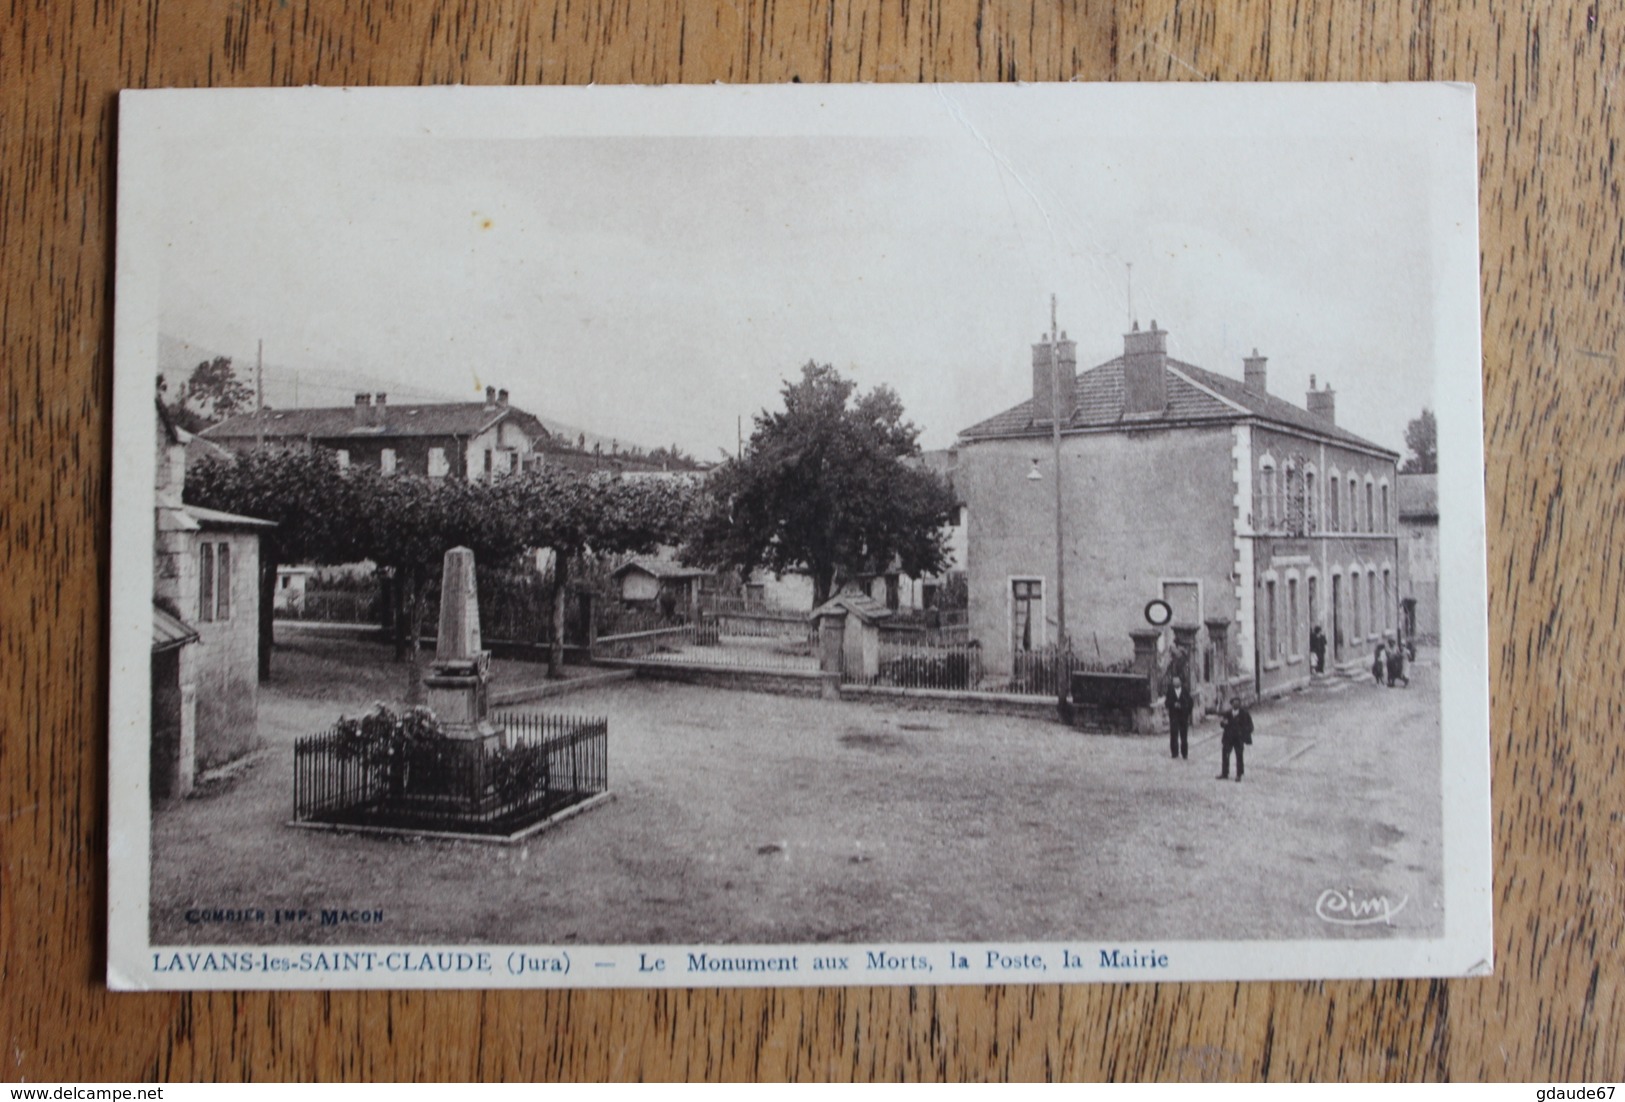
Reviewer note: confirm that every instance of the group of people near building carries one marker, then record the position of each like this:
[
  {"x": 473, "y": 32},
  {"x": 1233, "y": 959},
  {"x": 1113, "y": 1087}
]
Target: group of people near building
[
  {"x": 1389, "y": 667},
  {"x": 1389, "y": 660}
]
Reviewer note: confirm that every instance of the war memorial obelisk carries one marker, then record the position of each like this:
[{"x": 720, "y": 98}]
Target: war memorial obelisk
[{"x": 456, "y": 686}]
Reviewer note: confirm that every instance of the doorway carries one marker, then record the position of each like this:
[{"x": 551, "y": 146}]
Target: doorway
[{"x": 1337, "y": 618}]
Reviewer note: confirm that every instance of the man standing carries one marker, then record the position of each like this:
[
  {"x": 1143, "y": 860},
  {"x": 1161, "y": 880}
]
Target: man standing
[
  {"x": 1180, "y": 705},
  {"x": 1236, "y": 731}
]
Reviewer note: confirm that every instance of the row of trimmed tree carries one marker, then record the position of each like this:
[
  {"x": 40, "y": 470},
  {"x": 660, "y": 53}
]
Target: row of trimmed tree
[
  {"x": 826, "y": 485},
  {"x": 405, "y": 524}
]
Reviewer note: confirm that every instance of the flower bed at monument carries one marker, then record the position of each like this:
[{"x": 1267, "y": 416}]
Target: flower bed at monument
[{"x": 405, "y": 772}]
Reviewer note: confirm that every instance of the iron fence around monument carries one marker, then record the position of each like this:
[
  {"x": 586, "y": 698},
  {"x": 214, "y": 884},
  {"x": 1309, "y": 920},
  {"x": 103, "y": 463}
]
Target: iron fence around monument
[{"x": 484, "y": 786}]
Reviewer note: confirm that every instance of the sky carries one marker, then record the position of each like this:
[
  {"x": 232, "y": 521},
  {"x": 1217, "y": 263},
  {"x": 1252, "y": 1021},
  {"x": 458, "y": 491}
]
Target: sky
[{"x": 653, "y": 267}]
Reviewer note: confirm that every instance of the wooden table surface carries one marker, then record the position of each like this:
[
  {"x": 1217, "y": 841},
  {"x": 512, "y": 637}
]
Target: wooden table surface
[{"x": 1548, "y": 78}]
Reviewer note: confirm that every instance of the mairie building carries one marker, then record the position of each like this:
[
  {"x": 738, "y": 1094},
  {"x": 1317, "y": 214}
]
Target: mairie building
[{"x": 1253, "y": 517}]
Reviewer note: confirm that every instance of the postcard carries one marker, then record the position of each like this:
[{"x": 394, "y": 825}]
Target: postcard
[{"x": 708, "y": 536}]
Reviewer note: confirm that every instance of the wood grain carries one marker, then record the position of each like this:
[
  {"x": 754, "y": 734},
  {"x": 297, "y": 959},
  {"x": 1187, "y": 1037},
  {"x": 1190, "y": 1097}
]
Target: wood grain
[{"x": 1548, "y": 79}]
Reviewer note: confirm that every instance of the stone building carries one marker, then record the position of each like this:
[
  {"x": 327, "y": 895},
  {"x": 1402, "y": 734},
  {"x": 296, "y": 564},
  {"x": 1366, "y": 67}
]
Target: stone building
[
  {"x": 1253, "y": 517},
  {"x": 469, "y": 440},
  {"x": 660, "y": 583},
  {"x": 205, "y": 645},
  {"x": 1419, "y": 547}
]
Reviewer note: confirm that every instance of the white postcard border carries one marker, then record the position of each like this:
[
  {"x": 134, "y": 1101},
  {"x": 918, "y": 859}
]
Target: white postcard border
[{"x": 134, "y": 964}]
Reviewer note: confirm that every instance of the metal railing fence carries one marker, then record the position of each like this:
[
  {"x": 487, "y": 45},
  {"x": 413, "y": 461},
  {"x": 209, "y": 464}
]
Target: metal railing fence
[{"x": 544, "y": 764}]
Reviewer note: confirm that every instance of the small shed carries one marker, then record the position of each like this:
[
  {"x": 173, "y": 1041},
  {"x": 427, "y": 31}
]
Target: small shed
[
  {"x": 849, "y": 633},
  {"x": 290, "y": 587},
  {"x": 650, "y": 583}
]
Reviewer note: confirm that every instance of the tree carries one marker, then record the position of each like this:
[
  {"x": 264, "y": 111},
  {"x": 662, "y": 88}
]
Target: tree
[
  {"x": 573, "y": 513},
  {"x": 823, "y": 486},
  {"x": 175, "y": 406},
  {"x": 1422, "y": 438},
  {"x": 314, "y": 504},
  {"x": 213, "y": 392}
]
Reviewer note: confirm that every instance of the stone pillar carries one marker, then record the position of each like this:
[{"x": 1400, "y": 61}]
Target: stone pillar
[
  {"x": 1145, "y": 663},
  {"x": 1185, "y": 640},
  {"x": 1218, "y": 641},
  {"x": 174, "y": 724},
  {"x": 1187, "y": 662},
  {"x": 188, "y": 728},
  {"x": 459, "y": 637},
  {"x": 1145, "y": 654},
  {"x": 457, "y": 684},
  {"x": 862, "y": 649}
]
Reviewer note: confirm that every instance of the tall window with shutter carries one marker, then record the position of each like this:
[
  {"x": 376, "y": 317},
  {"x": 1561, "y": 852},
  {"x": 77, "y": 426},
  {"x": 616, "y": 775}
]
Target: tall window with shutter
[
  {"x": 205, "y": 582},
  {"x": 222, "y": 584}
]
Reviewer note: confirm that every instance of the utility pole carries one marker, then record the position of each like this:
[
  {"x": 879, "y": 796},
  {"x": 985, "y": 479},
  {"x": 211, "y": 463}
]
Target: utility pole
[
  {"x": 1061, "y": 641},
  {"x": 259, "y": 397}
]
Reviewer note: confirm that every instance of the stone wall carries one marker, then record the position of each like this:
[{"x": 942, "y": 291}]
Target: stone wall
[{"x": 781, "y": 682}]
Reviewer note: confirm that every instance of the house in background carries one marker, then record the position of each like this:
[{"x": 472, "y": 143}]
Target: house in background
[
  {"x": 664, "y": 585},
  {"x": 468, "y": 440},
  {"x": 944, "y": 463},
  {"x": 894, "y": 589},
  {"x": 289, "y": 595},
  {"x": 205, "y": 646},
  {"x": 1419, "y": 561},
  {"x": 1253, "y": 517},
  {"x": 791, "y": 591}
]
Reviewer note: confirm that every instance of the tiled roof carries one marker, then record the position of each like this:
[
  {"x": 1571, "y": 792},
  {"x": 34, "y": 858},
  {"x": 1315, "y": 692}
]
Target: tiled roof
[
  {"x": 1194, "y": 395},
  {"x": 1418, "y": 495},
  {"x": 661, "y": 568},
  {"x": 170, "y": 631},
  {"x": 859, "y": 604},
  {"x": 403, "y": 419},
  {"x": 1268, "y": 407},
  {"x": 192, "y": 518}
]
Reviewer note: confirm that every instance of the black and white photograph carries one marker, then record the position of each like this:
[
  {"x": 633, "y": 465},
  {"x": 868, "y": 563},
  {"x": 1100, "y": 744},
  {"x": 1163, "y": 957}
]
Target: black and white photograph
[{"x": 707, "y": 536}]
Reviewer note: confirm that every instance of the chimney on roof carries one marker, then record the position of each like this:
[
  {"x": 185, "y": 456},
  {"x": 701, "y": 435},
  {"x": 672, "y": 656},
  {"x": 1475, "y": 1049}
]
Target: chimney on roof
[
  {"x": 490, "y": 397},
  {"x": 1045, "y": 359},
  {"x": 1253, "y": 377},
  {"x": 378, "y": 407},
  {"x": 502, "y": 398},
  {"x": 363, "y": 409},
  {"x": 1322, "y": 403},
  {"x": 1145, "y": 370}
]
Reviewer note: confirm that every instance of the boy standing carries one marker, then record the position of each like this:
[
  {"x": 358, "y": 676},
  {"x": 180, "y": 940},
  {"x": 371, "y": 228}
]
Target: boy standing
[{"x": 1180, "y": 704}]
